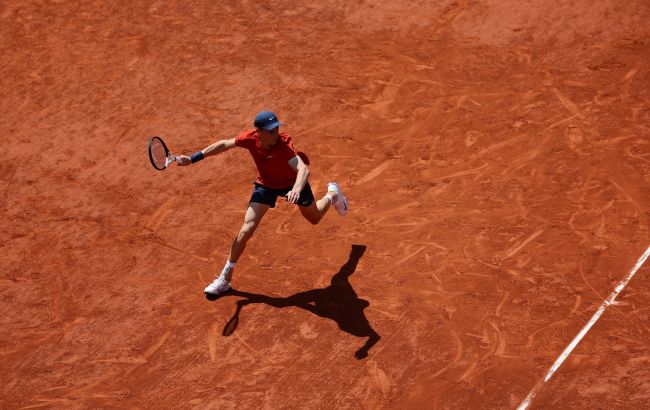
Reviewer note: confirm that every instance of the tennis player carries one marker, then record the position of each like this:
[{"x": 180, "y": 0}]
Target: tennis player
[{"x": 281, "y": 172}]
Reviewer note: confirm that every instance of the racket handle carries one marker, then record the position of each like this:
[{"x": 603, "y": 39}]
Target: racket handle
[{"x": 171, "y": 158}]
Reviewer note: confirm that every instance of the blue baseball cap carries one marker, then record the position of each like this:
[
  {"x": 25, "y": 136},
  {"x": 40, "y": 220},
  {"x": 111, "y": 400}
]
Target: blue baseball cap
[{"x": 266, "y": 120}]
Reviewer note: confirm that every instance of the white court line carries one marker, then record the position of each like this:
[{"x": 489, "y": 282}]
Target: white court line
[{"x": 610, "y": 300}]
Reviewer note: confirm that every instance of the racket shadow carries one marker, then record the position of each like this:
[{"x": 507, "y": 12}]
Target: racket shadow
[{"x": 338, "y": 302}]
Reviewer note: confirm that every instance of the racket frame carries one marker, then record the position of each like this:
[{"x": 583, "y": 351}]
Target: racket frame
[{"x": 169, "y": 157}]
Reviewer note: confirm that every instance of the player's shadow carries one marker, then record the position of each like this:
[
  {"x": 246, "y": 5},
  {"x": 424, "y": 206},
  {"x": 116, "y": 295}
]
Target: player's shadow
[{"x": 338, "y": 302}]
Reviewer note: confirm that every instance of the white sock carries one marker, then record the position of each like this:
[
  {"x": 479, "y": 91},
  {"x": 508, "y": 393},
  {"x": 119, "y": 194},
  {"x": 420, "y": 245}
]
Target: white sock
[{"x": 229, "y": 266}]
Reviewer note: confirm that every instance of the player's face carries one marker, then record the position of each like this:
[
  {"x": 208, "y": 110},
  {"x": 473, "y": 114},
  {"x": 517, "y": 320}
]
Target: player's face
[{"x": 269, "y": 137}]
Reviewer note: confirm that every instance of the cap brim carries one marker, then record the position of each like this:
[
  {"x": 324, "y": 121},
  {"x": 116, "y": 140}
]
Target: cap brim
[{"x": 272, "y": 125}]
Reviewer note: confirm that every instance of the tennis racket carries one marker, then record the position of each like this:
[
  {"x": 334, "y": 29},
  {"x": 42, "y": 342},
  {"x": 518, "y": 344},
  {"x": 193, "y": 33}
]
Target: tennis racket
[{"x": 159, "y": 155}]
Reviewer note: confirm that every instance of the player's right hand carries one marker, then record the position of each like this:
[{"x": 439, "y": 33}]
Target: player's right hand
[{"x": 183, "y": 160}]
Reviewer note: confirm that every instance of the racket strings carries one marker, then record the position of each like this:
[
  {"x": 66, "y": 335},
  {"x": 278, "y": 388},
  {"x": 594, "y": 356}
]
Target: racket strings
[{"x": 158, "y": 154}]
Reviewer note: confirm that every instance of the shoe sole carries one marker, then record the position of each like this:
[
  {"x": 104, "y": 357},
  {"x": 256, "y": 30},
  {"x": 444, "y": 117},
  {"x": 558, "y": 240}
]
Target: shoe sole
[{"x": 344, "y": 202}]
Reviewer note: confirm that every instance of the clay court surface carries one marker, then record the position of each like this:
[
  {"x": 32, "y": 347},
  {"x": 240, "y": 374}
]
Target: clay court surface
[{"x": 497, "y": 159}]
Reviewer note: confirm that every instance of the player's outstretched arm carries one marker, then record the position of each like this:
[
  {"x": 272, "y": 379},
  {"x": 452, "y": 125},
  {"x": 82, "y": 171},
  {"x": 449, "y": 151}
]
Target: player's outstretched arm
[{"x": 212, "y": 149}]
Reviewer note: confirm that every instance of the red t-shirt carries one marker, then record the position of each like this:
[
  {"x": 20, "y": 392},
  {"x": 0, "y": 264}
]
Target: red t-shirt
[{"x": 273, "y": 170}]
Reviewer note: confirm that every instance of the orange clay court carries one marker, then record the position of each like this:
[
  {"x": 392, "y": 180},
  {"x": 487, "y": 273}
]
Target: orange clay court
[{"x": 496, "y": 155}]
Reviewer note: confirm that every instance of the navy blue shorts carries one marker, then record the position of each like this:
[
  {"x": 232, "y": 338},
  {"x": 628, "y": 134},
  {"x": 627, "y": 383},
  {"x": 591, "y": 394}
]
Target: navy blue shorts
[{"x": 268, "y": 196}]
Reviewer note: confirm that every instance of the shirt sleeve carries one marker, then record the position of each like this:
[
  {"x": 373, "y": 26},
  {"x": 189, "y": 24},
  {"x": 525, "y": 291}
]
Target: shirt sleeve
[{"x": 243, "y": 140}]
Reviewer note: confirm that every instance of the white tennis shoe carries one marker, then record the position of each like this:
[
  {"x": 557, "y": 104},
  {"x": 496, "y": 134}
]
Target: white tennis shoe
[
  {"x": 341, "y": 203},
  {"x": 219, "y": 285}
]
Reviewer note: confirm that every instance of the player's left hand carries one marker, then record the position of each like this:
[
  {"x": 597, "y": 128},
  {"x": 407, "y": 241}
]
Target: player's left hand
[{"x": 292, "y": 196}]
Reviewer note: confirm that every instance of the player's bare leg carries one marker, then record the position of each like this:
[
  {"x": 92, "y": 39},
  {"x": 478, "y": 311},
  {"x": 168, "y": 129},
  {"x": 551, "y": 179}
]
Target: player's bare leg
[
  {"x": 317, "y": 210},
  {"x": 252, "y": 219}
]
